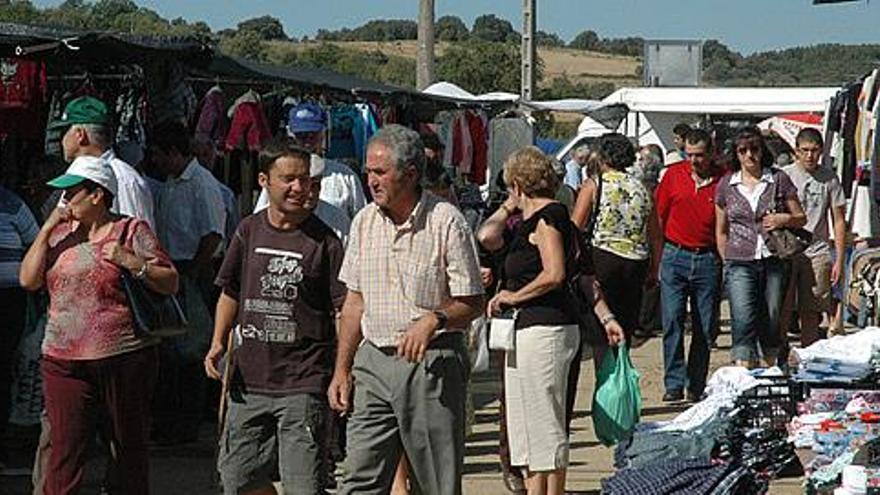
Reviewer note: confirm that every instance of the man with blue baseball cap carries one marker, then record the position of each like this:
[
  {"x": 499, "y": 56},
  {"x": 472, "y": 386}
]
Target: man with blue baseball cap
[{"x": 340, "y": 185}]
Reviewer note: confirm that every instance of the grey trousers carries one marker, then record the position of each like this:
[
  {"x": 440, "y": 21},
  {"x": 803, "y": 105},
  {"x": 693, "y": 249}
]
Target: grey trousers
[{"x": 417, "y": 408}]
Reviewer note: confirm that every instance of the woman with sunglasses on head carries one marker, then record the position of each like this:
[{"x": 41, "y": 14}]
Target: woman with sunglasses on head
[
  {"x": 751, "y": 201},
  {"x": 93, "y": 359}
]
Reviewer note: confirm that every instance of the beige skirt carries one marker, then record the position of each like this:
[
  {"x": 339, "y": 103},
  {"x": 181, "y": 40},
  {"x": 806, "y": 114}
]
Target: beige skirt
[{"x": 536, "y": 380}]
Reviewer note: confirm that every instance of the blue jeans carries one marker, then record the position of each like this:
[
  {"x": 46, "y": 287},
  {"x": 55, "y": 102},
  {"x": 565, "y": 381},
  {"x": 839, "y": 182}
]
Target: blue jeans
[
  {"x": 687, "y": 275},
  {"x": 755, "y": 290}
]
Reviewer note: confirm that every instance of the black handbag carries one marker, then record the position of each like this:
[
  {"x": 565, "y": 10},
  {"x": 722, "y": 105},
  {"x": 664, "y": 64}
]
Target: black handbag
[
  {"x": 154, "y": 314},
  {"x": 786, "y": 243}
]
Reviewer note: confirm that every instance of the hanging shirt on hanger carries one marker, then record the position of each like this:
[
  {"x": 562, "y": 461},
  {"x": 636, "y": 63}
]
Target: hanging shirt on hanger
[
  {"x": 212, "y": 124},
  {"x": 249, "y": 128},
  {"x": 22, "y": 95}
]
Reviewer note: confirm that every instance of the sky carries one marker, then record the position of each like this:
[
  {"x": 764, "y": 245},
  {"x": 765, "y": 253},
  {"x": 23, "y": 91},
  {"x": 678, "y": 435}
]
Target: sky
[{"x": 744, "y": 25}]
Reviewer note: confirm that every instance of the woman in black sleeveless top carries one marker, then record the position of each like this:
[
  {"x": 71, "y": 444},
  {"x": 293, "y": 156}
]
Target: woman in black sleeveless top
[{"x": 541, "y": 259}]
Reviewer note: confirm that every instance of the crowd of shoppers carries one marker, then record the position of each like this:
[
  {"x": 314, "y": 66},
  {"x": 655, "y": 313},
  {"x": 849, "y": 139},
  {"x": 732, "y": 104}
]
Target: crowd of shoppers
[{"x": 329, "y": 314}]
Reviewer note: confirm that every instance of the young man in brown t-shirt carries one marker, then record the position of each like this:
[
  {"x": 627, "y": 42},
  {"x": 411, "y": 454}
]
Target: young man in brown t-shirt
[{"x": 280, "y": 285}]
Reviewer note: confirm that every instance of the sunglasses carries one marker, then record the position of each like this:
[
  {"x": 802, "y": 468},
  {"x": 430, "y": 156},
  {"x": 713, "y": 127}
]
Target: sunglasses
[{"x": 742, "y": 150}]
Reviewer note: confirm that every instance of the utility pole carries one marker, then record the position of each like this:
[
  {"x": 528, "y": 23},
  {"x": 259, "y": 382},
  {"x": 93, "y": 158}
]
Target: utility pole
[
  {"x": 425, "y": 62},
  {"x": 528, "y": 50}
]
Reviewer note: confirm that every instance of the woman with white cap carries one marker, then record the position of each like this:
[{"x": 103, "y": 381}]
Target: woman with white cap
[{"x": 93, "y": 359}]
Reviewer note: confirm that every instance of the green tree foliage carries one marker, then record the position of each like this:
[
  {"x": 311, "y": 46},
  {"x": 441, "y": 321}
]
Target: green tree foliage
[
  {"x": 245, "y": 44},
  {"x": 104, "y": 15},
  {"x": 19, "y": 12},
  {"x": 589, "y": 40},
  {"x": 369, "y": 65},
  {"x": 481, "y": 67},
  {"x": 490, "y": 27},
  {"x": 543, "y": 38},
  {"x": 562, "y": 87},
  {"x": 450, "y": 28},
  {"x": 585, "y": 40},
  {"x": 266, "y": 27},
  {"x": 376, "y": 30}
]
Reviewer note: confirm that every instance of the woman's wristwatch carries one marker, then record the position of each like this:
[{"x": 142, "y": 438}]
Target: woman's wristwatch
[
  {"x": 608, "y": 318},
  {"x": 142, "y": 273}
]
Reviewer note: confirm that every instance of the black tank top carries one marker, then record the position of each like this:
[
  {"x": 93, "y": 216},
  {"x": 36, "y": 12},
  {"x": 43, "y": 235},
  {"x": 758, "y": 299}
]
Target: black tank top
[{"x": 523, "y": 264}]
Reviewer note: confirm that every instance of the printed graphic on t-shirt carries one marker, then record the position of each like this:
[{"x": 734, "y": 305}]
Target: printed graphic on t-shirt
[{"x": 279, "y": 290}]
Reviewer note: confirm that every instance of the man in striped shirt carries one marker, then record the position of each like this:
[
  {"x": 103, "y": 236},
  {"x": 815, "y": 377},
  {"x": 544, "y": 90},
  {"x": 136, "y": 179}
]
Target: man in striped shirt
[{"x": 18, "y": 229}]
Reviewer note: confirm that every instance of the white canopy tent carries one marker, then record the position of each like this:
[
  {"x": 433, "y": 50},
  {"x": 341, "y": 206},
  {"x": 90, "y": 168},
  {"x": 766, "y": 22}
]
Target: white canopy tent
[
  {"x": 653, "y": 112},
  {"x": 450, "y": 90}
]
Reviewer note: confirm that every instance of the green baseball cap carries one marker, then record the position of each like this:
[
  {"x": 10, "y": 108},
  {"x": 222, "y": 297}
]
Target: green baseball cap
[{"x": 83, "y": 110}]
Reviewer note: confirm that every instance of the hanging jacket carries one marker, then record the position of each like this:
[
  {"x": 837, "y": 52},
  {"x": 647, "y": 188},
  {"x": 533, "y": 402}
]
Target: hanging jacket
[
  {"x": 249, "y": 129},
  {"x": 212, "y": 123}
]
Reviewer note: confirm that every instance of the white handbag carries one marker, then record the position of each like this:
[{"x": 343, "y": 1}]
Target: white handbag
[{"x": 502, "y": 332}]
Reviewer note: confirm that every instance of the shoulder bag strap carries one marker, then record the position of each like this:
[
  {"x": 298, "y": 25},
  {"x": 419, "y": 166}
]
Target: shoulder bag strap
[{"x": 594, "y": 213}]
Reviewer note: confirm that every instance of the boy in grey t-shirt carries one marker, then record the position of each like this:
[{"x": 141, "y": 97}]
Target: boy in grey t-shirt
[{"x": 812, "y": 273}]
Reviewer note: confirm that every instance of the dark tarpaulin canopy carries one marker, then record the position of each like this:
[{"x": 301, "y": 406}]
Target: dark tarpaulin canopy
[
  {"x": 67, "y": 46},
  {"x": 245, "y": 71}
]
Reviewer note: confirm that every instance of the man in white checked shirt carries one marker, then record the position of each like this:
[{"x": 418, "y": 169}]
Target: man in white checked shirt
[{"x": 413, "y": 286}]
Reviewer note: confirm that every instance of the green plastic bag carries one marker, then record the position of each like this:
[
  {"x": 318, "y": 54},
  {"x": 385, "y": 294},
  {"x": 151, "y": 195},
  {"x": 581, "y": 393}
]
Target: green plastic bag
[{"x": 617, "y": 401}]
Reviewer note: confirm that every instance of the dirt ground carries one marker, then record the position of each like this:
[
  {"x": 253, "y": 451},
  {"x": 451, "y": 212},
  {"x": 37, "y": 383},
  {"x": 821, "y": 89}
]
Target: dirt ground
[{"x": 190, "y": 469}]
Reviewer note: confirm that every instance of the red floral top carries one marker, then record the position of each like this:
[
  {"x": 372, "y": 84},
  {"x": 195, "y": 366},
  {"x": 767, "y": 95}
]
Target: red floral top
[{"x": 89, "y": 316}]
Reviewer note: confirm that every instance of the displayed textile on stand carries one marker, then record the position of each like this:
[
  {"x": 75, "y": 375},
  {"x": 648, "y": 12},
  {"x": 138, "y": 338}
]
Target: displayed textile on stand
[
  {"x": 212, "y": 124},
  {"x": 718, "y": 430},
  {"x": 170, "y": 95},
  {"x": 23, "y": 94},
  {"x": 131, "y": 117},
  {"x": 248, "y": 129},
  {"x": 685, "y": 477},
  {"x": 842, "y": 358},
  {"x": 479, "y": 142},
  {"x": 506, "y": 135}
]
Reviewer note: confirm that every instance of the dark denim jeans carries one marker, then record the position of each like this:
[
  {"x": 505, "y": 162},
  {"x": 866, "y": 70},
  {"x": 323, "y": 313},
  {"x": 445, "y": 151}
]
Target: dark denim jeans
[
  {"x": 687, "y": 275},
  {"x": 755, "y": 290}
]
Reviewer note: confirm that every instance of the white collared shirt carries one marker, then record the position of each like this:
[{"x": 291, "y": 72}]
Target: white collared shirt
[
  {"x": 133, "y": 197},
  {"x": 190, "y": 207},
  {"x": 753, "y": 196},
  {"x": 341, "y": 187}
]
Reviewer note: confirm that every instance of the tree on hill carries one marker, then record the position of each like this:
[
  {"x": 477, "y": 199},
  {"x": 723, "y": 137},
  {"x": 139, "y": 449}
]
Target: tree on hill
[
  {"x": 543, "y": 38},
  {"x": 589, "y": 40},
  {"x": 375, "y": 30},
  {"x": 585, "y": 40},
  {"x": 490, "y": 27},
  {"x": 450, "y": 28},
  {"x": 245, "y": 44},
  {"x": 481, "y": 67},
  {"x": 266, "y": 27}
]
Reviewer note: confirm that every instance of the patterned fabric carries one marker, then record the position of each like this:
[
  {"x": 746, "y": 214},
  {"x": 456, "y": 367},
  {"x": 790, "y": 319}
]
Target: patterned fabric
[
  {"x": 691, "y": 477},
  {"x": 89, "y": 317},
  {"x": 647, "y": 173},
  {"x": 744, "y": 221},
  {"x": 622, "y": 221},
  {"x": 405, "y": 271},
  {"x": 18, "y": 229}
]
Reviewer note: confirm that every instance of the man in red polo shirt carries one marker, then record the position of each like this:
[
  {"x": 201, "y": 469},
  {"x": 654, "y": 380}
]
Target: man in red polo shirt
[{"x": 689, "y": 265}]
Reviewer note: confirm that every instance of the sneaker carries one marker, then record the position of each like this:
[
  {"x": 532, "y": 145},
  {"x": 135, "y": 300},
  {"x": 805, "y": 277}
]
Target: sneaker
[
  {"x": 673, "y": 396},
  {"x": 513, "y": 483},
  {"x": 694, "y": 397}
]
